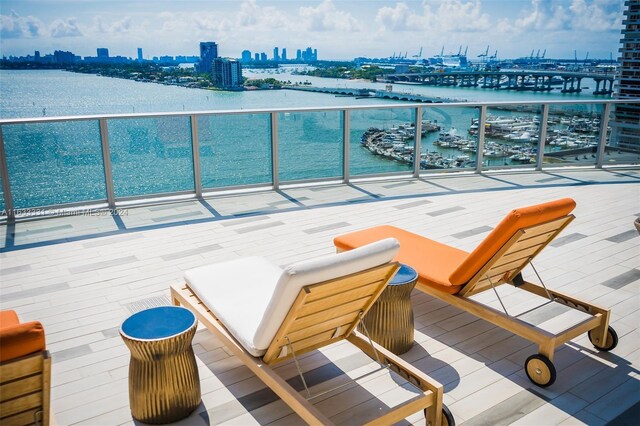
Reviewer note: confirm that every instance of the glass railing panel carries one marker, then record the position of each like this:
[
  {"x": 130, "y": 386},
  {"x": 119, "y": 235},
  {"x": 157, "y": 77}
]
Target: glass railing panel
[
  {"x": 573, "y": 135},
  {"x": 381, "y": 141},
  {"x": 54, "y": 163},
  {"x": 449, "y": 138},
  {"x": 235, "y": 149},
  {"x": 310, "y": 145},
  {"x": 151, "y": 155},
  {"x": 623, "y": 145},
  {"x": 512, "y": 133}
]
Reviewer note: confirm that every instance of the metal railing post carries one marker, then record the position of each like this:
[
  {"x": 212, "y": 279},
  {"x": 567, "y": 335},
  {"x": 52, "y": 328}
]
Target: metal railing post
[
  {"x": 346, "y": 140},
  {"x": 6, "y": 184},
  {"x": 274, "y": 151},
  {"x": 542, "y": 139},
  {"x": 195, "y": 148},
  {"x": 480, "y": 148},
  {"x": 106, "y": 159},
  {"x": 602, "y": 145},
  {"x": 417, "y": 146}
]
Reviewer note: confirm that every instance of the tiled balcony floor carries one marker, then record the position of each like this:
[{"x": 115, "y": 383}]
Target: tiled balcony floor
[{"x": 83, "y": 275}]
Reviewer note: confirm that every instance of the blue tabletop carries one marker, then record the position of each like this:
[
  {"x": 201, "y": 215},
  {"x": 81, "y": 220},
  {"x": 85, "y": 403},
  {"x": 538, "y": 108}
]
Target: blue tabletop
[
  {"x": 405, "y": 275},
  {"x": 158, "y": 323}
]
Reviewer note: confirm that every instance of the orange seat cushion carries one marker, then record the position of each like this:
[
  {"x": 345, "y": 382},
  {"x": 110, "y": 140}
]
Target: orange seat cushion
[
  {"x": 433, "y": 261},
  {"x": 445, "y": 267},
  {"x": 19, "y": 339},
  {"x": 516, "y": 219}
]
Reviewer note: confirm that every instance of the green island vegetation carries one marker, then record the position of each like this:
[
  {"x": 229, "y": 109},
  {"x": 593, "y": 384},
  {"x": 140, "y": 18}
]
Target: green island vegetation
[
  {"x": 348, "y": 71},
  {"x": 148, "y": 72}
]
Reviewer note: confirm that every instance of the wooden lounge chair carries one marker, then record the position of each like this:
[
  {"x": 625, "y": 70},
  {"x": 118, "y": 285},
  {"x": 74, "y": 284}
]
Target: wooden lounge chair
[
  {"x": 459, "y": 278},
  {"x": 266, "y": 315},
  {"x": 25, "y": 372}
]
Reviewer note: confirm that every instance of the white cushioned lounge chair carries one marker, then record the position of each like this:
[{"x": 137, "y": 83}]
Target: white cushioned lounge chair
[{"x": 265, "y": 315}]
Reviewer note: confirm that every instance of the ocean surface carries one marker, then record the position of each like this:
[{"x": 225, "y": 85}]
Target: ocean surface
[{"x": 55, "y": 163}]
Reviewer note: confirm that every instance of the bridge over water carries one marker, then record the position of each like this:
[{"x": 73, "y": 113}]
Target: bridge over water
[
  {"x": 509, "y": 80},
  {"x": 374, "y": 93}
]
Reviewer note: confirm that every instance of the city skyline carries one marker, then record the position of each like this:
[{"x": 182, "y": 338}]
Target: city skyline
[{"x": 340, "y": 29}]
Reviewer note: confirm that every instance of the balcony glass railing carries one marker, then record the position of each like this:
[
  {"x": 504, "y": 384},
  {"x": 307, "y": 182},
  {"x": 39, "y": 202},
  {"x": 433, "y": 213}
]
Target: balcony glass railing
[
  {"x": 51, "y": 163},
  {"x": 235, "y": 150},
  {"x": 62, "y": 161},
  {"x": 150, "y": 155},
  {"x": 310, "y": 145}
]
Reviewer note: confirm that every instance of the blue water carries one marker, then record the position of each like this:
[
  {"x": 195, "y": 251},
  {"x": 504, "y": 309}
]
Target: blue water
[{"x": 56, "y": 163}]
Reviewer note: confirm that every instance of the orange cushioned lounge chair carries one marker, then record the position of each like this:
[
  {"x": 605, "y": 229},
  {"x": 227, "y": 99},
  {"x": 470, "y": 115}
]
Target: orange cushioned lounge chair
[
  {"x": 456, "y": 276},
  {"x": 25, "y": 372}
]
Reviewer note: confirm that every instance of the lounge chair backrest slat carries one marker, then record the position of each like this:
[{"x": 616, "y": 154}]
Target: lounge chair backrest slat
[
  {"x": 504, "y": 232},
  {"x": 517, "y": 253},
  {"x": 327, "y": 312}
]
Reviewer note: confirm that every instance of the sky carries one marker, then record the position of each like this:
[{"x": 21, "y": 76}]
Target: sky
[{"x": 339, "y": 29}]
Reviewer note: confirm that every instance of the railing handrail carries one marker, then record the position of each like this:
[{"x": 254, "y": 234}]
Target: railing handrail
[
  {"x": 113, "y": 199},
  {"x": 404, "y": 105}
]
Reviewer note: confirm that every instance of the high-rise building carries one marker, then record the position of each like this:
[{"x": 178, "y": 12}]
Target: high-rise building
[
  {"x": 226, "y": 73},
  {"x": 246, "y": 56},
  {"x": 140, "y": 59},
  {"x": 284, "y": 54},
  {"x": 276, "y": 56},
  {"x": 208, "y": 52},
  {"x": 263, "y": 56},
  {"x": 625, "y": 125},
  {"x": 102, "y": 53},
  {"x": 315, "y": 55},
  {"x": 256, "y": 57},
  {"x": 62, "y": 57},
  {"x": 298, "y": 55}
]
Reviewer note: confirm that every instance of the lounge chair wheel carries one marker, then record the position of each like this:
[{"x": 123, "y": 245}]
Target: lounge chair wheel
[
  {"x": 447, "y": 417},
  {"x": 540, "y": 370},
  {"x": 611, "y": 342}
]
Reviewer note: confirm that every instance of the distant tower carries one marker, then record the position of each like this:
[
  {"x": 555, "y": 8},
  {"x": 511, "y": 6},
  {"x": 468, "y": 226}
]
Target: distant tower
[
  {"x": 208, "y": 52},
  {"x": 263, "y": 56},
  {"x": 256, "y": 57},
  {"x": 140, "y": 54},
  {"x": 276, "y": 56},
  {"x": 315, "y": 55},
  {"x": 298, "y": 55},
  {"x": 625, "y": 126},
  {"x": 284, "y": 54},
  {"x": 246, "y": 56},
  {"x": 103, "y": 54},
  {"x": 226, "y": 72},
  {"x": 37, "y": 55}
]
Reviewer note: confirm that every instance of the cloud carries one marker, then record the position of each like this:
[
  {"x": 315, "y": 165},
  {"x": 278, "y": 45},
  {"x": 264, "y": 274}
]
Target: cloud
[
  {"x": 15, "y": 26},
  {"x": 65, "y": 28},
  {"x": 326, "y": 17},
  {"x": 252, "y": 15},
  {"x": 447, "y": 15},
  {"x": 582, "y": 15},
  {"x": 398, "y": 18}
]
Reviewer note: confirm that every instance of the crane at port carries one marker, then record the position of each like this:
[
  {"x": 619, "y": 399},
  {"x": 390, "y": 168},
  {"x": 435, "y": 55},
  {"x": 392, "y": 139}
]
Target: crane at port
[
  {"x": 419, "y": 55},
  {"x": 485, "y": 54}
]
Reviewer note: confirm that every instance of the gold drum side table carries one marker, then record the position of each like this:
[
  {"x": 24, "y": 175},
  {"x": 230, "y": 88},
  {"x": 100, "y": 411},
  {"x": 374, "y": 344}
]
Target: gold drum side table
[
  {"x": 164, "y": 385},
  {"x": 390, "y": 319}
]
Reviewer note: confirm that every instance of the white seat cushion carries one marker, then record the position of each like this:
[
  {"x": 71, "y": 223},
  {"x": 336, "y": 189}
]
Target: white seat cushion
[
  {"x": 238, "y": 293},
  {"x": 252, "y": 297}
]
